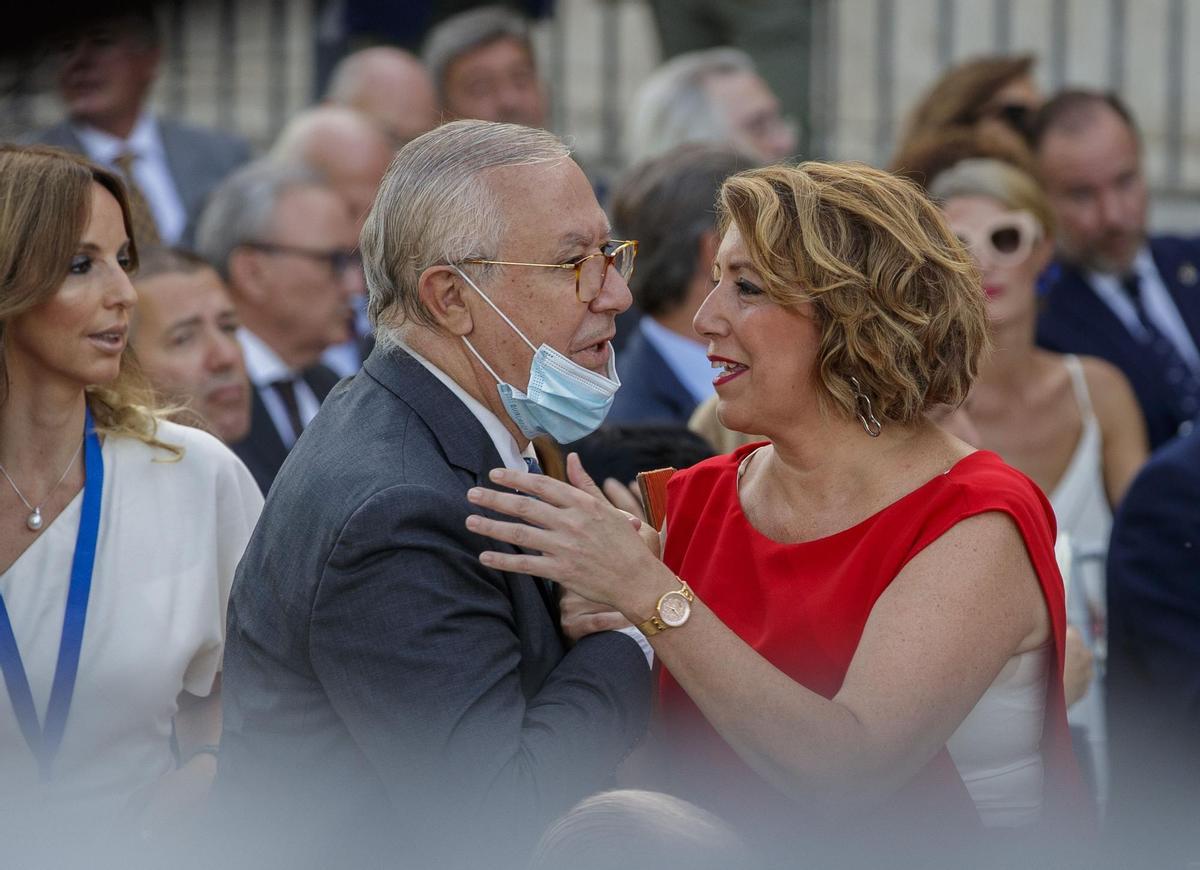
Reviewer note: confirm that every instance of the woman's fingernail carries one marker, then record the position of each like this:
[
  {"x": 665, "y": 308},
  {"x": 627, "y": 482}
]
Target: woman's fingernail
[
  {"x": 472, "y": 522},
  {"x": 474, "y": 493}
]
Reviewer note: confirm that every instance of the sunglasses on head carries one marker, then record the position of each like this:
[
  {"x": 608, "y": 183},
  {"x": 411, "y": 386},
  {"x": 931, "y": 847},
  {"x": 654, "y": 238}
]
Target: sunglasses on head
[
  {"x": 1017, "y": 116},
  {"x": 1004, "y": 240}
]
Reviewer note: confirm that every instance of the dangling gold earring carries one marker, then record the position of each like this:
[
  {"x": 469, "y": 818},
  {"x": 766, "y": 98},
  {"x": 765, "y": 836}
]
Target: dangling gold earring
[{"x": 865, "y": 415}]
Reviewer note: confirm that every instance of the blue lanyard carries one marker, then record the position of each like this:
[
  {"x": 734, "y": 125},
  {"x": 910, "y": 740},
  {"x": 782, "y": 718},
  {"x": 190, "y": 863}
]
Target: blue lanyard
[{"x": 45, "y": 742}]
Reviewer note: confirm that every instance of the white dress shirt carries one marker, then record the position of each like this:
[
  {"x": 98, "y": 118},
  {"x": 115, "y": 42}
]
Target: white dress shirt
[
  {"x": 1156, "y": 299},
  {"x": 686, "y": 358},
  {"x": 150, "y": 170},
  {"x": 265, "y": 367},
  {"x": 512, "y": 457}
]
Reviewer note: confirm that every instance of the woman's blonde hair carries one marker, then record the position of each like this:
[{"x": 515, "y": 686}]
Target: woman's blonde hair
[
  {"x": 896, "y": 297},
  {"x": 45, "y": 202},
  {"x": 1003, "y": 182}
]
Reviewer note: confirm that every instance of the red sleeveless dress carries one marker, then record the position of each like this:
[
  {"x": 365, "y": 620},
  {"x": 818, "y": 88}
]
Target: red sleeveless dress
[{"x": 803, "y": 607}]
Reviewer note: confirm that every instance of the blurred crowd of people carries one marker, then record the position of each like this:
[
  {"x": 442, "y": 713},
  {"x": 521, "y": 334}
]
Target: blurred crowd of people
[{"x": 324, "y": 543}]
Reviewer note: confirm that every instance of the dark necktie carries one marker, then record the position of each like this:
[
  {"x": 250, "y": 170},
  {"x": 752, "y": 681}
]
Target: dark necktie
[
  {"x": 1181, "y": 378},
  {"x": 145, "y": 230},
  {"x": 547, "y": 586},
  {"x": 285, "y": 388}
]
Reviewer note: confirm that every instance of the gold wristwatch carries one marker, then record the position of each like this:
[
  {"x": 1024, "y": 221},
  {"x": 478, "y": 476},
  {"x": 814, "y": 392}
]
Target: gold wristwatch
[{"x": 672, "y": 610}]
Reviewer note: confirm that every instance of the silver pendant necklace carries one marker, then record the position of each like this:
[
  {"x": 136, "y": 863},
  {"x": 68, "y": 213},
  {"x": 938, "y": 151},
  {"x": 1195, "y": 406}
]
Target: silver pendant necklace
[{"x": 34, "y": 521}]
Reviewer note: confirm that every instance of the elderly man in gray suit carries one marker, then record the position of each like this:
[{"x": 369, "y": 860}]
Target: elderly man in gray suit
[
  {"x": 388, "y": 698},
  {"x": 107, "y": 65}
]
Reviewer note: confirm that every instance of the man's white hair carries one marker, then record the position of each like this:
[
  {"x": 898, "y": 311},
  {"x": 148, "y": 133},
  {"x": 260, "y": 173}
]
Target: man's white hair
[
  {"x": 673, "y": 106},
  {"x": 432, "y": 207}
]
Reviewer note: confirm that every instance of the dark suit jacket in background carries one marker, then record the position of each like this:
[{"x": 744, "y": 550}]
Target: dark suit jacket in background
[
  {"x": 1153, "y": 679},
  {"x": 1075, "y": 320},
  {"x": 650, "y": 392},
  {"x": 199, "y": 160},
  {"x": 263, "y": 449},
  {"x": 388, "y": 700}
]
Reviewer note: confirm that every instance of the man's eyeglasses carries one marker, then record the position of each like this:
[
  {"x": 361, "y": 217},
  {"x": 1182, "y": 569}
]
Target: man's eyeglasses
[
  {"x": 590, "y": 271},
  {"x": 340, "y": 260}
]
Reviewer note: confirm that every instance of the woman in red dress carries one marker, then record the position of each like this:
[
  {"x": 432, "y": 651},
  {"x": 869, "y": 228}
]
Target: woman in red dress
[{"x": 860, "y": 621}]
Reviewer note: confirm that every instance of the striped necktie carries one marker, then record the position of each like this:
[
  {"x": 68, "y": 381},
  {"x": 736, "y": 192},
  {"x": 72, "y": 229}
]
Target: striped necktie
[{"x": 145, "y": 230}]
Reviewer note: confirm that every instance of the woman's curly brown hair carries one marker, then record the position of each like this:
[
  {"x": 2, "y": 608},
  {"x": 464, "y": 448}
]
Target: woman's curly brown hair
[{"x": 896, "y": 297}]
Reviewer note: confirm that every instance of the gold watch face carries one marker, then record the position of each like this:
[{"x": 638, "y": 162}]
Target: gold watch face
[{"x": 674, "y": 609}]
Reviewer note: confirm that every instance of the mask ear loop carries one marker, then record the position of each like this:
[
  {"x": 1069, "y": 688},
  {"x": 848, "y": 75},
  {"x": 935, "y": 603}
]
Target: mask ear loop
[{"x": 503, "y": 316}]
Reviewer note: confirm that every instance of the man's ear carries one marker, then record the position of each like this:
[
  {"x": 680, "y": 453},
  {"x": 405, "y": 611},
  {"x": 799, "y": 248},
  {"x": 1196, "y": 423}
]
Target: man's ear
[
  {"x": 440, "y": 290},
  {"x": 701, "y": 281},
  {"x": 707, "y": 253},
  {"x": 247, "y": 277}
]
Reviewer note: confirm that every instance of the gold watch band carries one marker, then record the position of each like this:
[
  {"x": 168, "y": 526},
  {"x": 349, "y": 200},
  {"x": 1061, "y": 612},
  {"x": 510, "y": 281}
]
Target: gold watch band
[{"x": 652, "y": 626}]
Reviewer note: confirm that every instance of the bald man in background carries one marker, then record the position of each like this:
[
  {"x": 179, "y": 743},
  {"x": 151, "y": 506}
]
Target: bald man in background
[
  {"x": 388, "y": 85},
  {"x": 345, "y": 146},
  {"x": 351, "y": 153}
]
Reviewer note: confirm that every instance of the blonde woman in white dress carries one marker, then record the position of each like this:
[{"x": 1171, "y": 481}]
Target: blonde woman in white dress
[{"x": 1070, "y": 423}]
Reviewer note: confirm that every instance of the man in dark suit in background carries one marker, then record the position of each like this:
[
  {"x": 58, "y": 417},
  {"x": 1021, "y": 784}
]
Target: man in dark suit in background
[
  {"x": 668, "y": 203},
  {"x": 1154, "y": 661},
  {"x": 389, "y": 700},
  {"x": 284, "y": 242},
  {"x": 107, "y": 65},
  {"x": 1115, "y": 293}
]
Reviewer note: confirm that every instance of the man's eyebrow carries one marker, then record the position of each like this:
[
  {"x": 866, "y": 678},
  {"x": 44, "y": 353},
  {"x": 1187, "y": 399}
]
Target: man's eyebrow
[{"x": 571, "y": 243}]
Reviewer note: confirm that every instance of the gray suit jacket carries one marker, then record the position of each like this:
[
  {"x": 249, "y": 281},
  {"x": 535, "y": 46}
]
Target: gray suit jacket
[
  {"x": 199, "y": 160},
  {"x": 389, "y": 700}
]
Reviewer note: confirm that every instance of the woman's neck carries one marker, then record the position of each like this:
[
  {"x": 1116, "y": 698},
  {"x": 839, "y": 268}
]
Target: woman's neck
[
  {"x": 1013, "y": 358},
  {"x": 835, "y": 460},
  {"x": 41, "y": 423}
]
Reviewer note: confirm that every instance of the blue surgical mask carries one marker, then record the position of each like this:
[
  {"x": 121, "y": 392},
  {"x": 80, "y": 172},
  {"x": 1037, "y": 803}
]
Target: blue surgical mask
[{"x": 563, "y": 400}]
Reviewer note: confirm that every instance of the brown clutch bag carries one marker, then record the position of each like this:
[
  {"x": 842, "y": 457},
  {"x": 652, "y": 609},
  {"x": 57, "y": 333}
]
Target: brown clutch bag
[{"x": 653, "y": 487}]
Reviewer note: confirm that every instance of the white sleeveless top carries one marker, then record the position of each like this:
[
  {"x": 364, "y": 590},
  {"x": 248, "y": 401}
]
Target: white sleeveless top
[
  {"x": 1080, "y": 503},
  {"x": 997, "y": 747}
]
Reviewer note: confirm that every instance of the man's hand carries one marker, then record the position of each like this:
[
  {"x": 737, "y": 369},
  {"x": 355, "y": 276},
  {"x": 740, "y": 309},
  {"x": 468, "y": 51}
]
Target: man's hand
[
  {"x": 581, "y": 617},
  {"x": 625, "y": 496}
]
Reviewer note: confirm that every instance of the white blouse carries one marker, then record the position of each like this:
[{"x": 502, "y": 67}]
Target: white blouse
[{"x": 171, "y": 535}]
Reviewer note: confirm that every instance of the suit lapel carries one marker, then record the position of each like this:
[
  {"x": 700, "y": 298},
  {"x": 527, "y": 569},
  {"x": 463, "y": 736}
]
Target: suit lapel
[
  {"x": 62, "y": 136},
  {"x": 320, "y": 379},
  {"x": 1173, "y": 268},
  {"x": 263, "y": 444},
  {"x": 185, "y": 162},
  {"x": 663, "y": 380},
  {"x": 464, "y": 441},
  {"x": 1075, "y": 307}
]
